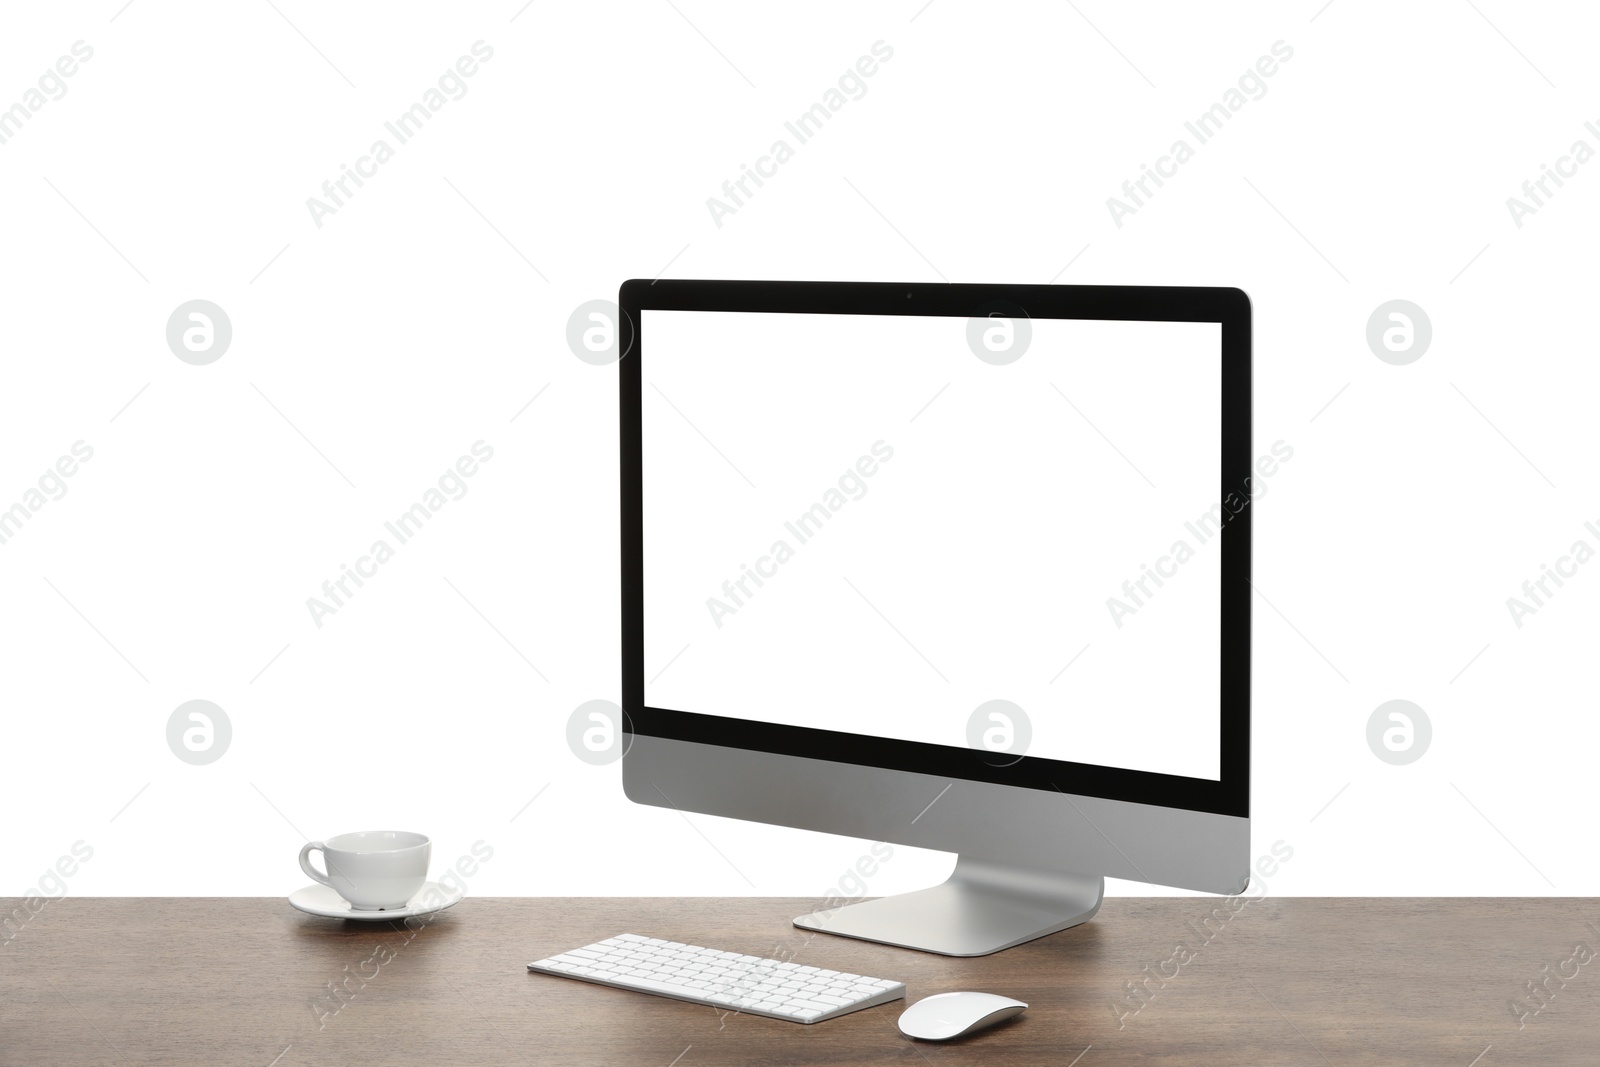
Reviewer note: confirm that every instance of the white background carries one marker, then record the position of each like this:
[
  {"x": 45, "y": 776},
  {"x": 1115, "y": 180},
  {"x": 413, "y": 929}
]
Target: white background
[
  {"x": 428, "y": 311},
  {"x": 974, "y": 564}
]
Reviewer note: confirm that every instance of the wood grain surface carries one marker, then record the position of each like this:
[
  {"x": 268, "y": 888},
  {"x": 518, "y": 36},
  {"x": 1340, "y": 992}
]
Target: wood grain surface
[{"x": 1332, "y": 981}]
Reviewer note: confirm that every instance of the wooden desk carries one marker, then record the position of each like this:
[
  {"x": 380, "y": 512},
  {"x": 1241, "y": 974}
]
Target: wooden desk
[{"x": 248, "y": 981}]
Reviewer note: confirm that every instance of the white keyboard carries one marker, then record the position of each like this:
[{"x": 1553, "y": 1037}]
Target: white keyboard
[{"x": 725, "y": 980}]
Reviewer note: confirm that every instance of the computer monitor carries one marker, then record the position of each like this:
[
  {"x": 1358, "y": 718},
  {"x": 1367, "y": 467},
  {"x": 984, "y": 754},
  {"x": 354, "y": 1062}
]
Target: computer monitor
[{"x": 961, "y": 567}]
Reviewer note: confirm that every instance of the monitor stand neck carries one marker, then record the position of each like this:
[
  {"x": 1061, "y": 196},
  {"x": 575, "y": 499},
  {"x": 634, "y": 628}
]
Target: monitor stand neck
[{"x": 983, "y": 907}]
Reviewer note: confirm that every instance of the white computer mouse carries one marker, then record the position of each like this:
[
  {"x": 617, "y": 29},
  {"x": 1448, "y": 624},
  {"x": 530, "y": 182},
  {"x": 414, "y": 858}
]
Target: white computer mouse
[{"x": 949, "y": 1015}]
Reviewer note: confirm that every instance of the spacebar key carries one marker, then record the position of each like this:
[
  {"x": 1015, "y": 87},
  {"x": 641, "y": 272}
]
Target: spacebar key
[{"x": 667, "y": 989}]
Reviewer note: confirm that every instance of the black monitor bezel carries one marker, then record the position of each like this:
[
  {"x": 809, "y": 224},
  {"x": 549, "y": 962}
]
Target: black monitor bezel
[{"x": 1228, "y": 307}]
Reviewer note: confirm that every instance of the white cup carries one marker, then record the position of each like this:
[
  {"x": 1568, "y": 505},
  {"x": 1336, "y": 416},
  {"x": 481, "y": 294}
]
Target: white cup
[{"x": 375, "y": 870}]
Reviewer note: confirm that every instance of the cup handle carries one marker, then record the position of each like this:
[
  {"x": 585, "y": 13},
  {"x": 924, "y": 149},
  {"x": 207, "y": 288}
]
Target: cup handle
[{"x": 305, "y": 863}]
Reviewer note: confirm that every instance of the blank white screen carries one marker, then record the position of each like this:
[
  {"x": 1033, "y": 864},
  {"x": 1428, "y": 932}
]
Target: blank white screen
[{"x": 1005, "y": 508}]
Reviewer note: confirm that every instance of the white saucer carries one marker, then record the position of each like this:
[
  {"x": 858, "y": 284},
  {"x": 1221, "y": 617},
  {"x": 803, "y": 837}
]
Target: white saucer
[{"x": 321, "y": 900}]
